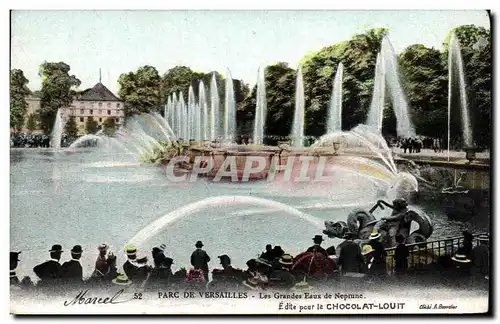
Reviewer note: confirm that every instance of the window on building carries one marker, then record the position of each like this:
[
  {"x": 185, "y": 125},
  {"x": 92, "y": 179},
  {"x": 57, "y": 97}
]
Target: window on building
[
  {"x": 81, "y": 119},
  {"x": 109, "y": 104},
  {"x": 82, "y": 103},
  {"x": 91, "y": 111},
  {"x": 100, "y": 104},
  {"x": 100, "y": 120},
  {"x": 109, "y": 112},
  {"x": 118, "y": 105},
  {"x": 82, "y": 111},
  {"x": 117, "y": 120},
  {"x": 100, "y": 111}
]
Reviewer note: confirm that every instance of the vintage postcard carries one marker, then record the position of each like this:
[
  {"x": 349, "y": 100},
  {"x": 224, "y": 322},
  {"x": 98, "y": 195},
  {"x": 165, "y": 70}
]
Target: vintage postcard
[{"x": 250, "y": 162}]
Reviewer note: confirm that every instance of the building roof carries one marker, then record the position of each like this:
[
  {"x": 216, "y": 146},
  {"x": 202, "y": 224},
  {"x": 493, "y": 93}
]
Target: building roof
[{"x": 98, "y": 93}]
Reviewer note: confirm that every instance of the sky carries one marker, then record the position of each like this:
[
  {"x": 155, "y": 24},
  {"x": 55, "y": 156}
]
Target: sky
[{"x": 121, "y": 41}]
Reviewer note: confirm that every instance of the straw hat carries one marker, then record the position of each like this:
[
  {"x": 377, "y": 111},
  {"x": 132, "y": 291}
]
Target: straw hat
[
  {"x": 367, "y": 248},
  {"x": 302, "y": 285},
  {"x": 462, "y": 258},
  {"x": 374, "y": 235},
  {"x": 286, "y": 259},
  {"x": 121, "y": 280},
  {"x": 131, "y": 250}
]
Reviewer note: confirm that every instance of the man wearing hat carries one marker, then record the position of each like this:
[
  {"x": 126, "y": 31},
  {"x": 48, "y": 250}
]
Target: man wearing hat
[
  {"x": 367, "y": 252},
  {"x": 268, "y": 255},
  {"x": 51, "y": 269},
  {"x": 228, "y": 276},
  {"x": 316, "y": 248},
  {"x": 379, "y": 255},
  {"x": 481, "y": 258},
  {"x": 466, "y": 247},
  {"x": 200, "y": 259},
  {"x": 135, "y": 268},
  {"x": 462, "y": 265},
  {"x": 72, "y": 269},
  {"x": 14, "y": 259},
  {"x": 350, "y": 257},
  {"x": 282, "y": 278}
]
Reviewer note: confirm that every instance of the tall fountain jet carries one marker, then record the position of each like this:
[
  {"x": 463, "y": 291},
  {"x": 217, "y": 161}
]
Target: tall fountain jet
[
  {"x": 55, "y": 136},
  {"x": 335, "y": 111},
  {"x": 404, "y": 126},
  {"x": 297, "y": 134},
  {"x": 175, "y": 115},
  {"x": 214, "y": 109},
  {"x": 180, "y": 116},
  {"x": 376, "y": 112},
  {"x": 260, "y": 109},
  {"x": 191, "y": 107},
  {"x": 229, "y": 110},
  {"x": 456, "y": 75},
  {"x": 203, "y": 115}
]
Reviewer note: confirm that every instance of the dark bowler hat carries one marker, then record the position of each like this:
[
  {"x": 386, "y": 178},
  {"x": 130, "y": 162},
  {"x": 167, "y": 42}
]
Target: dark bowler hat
[
  {"x": 77, "y": 249},
  {"x": 199, "y": 244},
  {"x": 318, "y": 238},
  {"x": 56, "y": 248}
]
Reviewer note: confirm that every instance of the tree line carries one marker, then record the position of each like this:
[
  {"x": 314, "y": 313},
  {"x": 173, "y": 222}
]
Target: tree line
[{"x": 423, "y": 74}]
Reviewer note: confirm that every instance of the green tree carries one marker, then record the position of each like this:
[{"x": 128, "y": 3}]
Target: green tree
[
  {"x": 18, "y": 105},
  {"x": 140, "y": 90},
  {"x": 280, "y": 95},
  {"x": 91, "y": 125},
  {"x": 425, "y": 82},
  {"x": 71, "y": 128},
  {"x": 57, "y": 91},
  {"x": 109, "y": 126},
  {"x": 31, "y": 123},
  {"x": 358, "y": 56}
]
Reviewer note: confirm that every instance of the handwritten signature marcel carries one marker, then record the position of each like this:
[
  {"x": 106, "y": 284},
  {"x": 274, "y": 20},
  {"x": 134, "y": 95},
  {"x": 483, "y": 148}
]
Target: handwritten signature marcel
[{"x": 83, "y": 299}]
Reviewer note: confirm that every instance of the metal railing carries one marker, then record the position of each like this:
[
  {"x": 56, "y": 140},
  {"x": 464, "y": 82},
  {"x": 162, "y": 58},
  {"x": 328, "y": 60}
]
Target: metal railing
[{"x": 423, "y": 254}]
